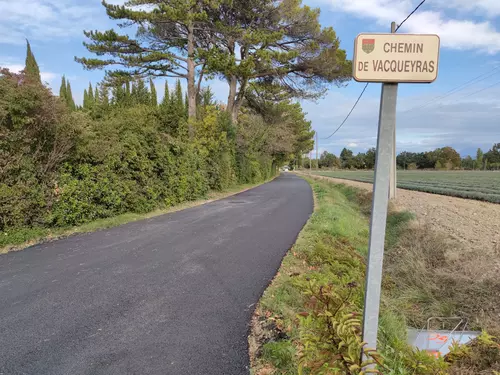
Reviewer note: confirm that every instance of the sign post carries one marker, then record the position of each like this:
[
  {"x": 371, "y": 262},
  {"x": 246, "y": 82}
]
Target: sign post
[
  {"x": 393, "y": 179},
  {"x": 389, "y": 59}
]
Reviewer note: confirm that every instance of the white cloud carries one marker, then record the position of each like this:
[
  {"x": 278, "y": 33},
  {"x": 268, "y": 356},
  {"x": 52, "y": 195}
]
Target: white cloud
[
  {"x": 45, "y": 19},
  {"x": 462, "y": 34},
  {"x": 488, "y": 8}
]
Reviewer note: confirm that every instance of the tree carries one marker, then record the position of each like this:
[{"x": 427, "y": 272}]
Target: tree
[
  {"x": 91, "y": 99},
  {"x": 346, "y": 157},
  {"x": 370, "y": 158},
  {"x": 328, "y": 160},
  {"x": 85, "y": 99},
  {"x": 279, "y": 45},
  {"x": 32, "y": 71},
  {"x": 70, "y": 102},
  {"x": 62, "y": 89},
  {"x": 140, "y": 93},
  {"x": 468, "y": 163},
  {"x": 166, "y": 42},
  {"x": 448, "y": 157},
  {"x": 154, "y": 96},
  {"x": 103, "y": 96},
  {"x": 166, "y": 98},
  {"x": 479, "y": 159},
  {"x": 97, "y": 99},
  {"x": 493, "y": 155}
]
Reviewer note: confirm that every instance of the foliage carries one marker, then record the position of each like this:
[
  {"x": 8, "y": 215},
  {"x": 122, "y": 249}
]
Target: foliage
[
  {"x": 122, "y": 153},
  {"x": 279, "y": 45},
  {"x": 328, "y": 160},
  {"x": 31, "y": 70}
]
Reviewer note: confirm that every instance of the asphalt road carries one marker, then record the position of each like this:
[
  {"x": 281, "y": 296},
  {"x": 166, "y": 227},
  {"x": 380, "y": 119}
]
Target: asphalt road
[{"x": 168, "y": 295}]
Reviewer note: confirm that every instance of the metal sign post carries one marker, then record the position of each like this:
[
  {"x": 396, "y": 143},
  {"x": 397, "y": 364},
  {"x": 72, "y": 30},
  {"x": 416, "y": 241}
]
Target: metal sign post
[
  {"x": 389, "y": 59},
  {"x": 393, "y": 182},
  {"x": 386, "y": 126}
]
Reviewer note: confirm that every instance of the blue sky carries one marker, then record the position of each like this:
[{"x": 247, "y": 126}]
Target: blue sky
[{"x": 470, "y": 40}]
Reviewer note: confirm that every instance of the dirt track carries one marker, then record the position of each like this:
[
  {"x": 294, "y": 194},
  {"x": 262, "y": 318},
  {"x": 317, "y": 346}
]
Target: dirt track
[{"x": 475, "y": 224}]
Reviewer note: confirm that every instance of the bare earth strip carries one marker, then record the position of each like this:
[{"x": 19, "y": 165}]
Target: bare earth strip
[{"x": 475, "y": 224}]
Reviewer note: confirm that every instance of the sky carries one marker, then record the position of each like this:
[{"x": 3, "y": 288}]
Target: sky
[{"x": 429, "y": 115}]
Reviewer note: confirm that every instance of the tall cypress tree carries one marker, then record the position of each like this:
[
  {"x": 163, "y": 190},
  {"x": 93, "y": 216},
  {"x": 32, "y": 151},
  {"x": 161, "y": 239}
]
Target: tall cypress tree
[
  {"x": 142, "y": 95},
  {"x": 104, "y": 96},
  {"x": 31, "y": 70},
  {"x": 63, "y": 90},
  {"x": 90, "y": 97},
  {"x": 166, "y": 97},
  {"x": 154, "y": 97},
  {"x": 69, "y": 97},
  {"x": 186, "y": 105},
  {"x": 119, "y": 95},
  {"x": 97, "y": 100},
  {"x": 85, "y": 99},
  {"x": 179, "y": 100}
]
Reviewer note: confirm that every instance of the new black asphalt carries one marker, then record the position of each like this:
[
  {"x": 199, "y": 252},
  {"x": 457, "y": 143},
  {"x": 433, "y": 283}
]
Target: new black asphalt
[{"x": 168, "y": 295}]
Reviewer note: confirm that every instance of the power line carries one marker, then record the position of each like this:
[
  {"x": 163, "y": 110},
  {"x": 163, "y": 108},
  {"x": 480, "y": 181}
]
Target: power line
[
  {"x": 473, "y": 93},
  {"x": 459, "y": 88},
  {"x": 409, "y": 15},
  {"x": 352, "y": 109},
  {"x": 364, "y": 88}
]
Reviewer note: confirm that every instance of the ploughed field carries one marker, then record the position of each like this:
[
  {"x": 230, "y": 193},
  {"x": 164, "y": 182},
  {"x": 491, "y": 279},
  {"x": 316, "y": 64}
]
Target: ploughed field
[{"x": 480, "y": 185}]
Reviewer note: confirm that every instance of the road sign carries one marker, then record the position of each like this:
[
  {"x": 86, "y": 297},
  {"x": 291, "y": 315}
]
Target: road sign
[
  {"x": 390, "y": 59},
  {"x": 411, "y": 58}
]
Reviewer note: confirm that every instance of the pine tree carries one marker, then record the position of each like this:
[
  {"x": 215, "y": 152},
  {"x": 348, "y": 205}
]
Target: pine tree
[
  {"x": 128, "y": 93},
  {"x": 179, "y": 99},
  {"x": 97, "y": 100},
  {"x": 90, "y": 97},
  {"x": 69, "y": 97},
  {"x": 119, "y": 95},
  {"x": 186, "y": 105},
  {"x": 134, "y": 99},
  {"x": 104, "y": 96},
  {"x": 154, "y": 96},
  {"x": 166, "y": 98},
  {"x": 62, "y": 90},
  {"x": 85, "y": 99},
  {"x": 142, "y": 95},
  {"x": 31, "y": 70}
]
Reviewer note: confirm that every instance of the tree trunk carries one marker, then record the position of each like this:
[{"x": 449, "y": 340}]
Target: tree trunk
[
  {"x": 233, "y": 85},
  {"x": 191, "y": 89},
  {"x": 239, "y": 100},
  {"x": 231, "y": 99}
]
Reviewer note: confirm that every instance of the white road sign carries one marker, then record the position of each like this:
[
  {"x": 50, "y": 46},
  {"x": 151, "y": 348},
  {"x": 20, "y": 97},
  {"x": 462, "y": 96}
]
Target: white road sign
[{"x": 411, "y": 58}]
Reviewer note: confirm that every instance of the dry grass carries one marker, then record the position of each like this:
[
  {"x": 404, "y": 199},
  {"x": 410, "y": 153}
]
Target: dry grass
[{"x": 429, "y": 274}]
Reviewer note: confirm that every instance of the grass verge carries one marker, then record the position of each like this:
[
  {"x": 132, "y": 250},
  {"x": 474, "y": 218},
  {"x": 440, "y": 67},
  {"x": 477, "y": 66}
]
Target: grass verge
[
  {"x": 308, "y": 320},
  {"x": 19, "y": 239}
]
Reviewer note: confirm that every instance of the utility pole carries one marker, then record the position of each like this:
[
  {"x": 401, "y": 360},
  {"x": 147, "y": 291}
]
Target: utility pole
[
  {"x": 317, "y": 151},
  {"x": 385, "y": 143},
  {"x": 393, "y": 179}
]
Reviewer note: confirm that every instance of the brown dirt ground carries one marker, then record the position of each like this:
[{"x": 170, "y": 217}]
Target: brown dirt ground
[{"x": 474, "y": 223}]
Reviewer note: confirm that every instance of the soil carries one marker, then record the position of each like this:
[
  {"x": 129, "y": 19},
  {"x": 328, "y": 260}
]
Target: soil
[{"x": 474, "y": 223}]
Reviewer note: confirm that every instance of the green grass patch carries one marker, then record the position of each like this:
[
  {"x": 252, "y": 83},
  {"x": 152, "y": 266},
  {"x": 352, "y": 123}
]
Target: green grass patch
[{"x": 309, "y": 319}]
